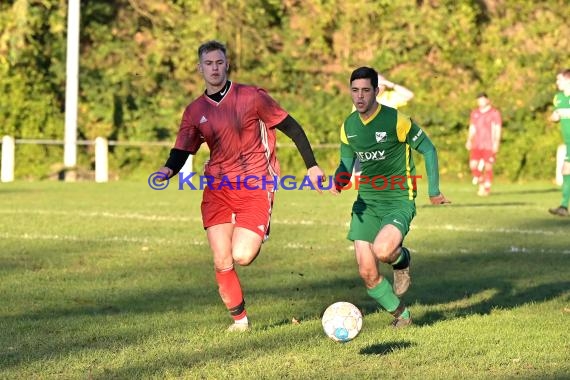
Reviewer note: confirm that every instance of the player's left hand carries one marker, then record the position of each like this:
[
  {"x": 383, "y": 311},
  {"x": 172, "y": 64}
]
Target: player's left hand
[
  {"x": 439, "y": 199},
  {"x": 317, "y": 177}
]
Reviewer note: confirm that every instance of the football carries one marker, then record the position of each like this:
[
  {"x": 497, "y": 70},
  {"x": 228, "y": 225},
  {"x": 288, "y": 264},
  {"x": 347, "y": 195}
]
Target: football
[{"x": 342, "y": 321}]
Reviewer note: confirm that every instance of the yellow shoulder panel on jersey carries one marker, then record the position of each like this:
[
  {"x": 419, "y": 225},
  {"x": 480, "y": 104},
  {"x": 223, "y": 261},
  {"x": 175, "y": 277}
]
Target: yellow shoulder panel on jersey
[
  {"x": 404, "y": 124},
  {"x": 343, "y": 135}
]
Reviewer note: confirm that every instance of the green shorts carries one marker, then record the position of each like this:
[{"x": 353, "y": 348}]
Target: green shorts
[{"x": 368, "y": 218}]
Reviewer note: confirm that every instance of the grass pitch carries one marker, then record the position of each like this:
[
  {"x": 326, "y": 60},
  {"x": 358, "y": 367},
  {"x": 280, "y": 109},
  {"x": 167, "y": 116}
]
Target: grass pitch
[{"x": 115, "y": 280}]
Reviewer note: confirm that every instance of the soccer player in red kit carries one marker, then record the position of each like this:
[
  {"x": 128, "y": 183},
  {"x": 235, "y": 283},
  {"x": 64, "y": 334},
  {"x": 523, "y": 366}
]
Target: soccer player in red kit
[
  {"x": 238, "y": 124},
  {"x": 483, "y": 141}
]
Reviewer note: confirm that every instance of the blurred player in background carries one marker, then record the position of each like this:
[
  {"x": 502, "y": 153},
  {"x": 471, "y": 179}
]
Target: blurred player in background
[
  {"x": 382, "y": 138},
  {"x": 561, "y": 114},
  {"x": 392, "y": 94},
  {"x": 238, "y": 123},
  {"x": 483, "y": 142}
]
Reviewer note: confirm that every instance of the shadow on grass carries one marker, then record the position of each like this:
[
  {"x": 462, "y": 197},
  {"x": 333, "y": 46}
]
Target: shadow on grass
[
  {"x": 456, "y": 284},
  {"x": 484, "y": 205},
  {"x": 65, "y": 321},
  {"x": 504, "y": 297},
  {"x": 387, "y": 348},
  {"x": 88, "y": 323}
]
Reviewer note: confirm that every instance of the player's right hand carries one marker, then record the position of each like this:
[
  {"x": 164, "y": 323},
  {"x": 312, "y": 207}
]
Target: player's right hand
[
  {"x": 333, "y": 190},
  {"x": 167, "y": 174}
]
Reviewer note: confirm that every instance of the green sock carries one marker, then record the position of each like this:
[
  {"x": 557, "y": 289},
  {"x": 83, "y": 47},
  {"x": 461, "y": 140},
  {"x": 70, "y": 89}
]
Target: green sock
[
  {"x": 384, "y": 295},
  {"x": 565, "y": 190}
]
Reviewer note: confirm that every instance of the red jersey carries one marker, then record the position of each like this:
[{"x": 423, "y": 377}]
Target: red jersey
[
  {"x": 482, "y": 121},
  {"x": 239, "y": 130}
]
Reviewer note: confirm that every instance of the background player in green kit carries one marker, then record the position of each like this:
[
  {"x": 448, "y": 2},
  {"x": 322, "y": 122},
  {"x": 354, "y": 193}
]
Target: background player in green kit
[
  {"x": 562, "y": 114},
  {"x": 381, "y": 138}
]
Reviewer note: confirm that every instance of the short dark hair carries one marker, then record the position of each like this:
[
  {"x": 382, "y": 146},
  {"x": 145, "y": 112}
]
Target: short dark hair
[
  {"x": 365, "y": 73},
  {"x": 482, "y": 95},
  {"x": 565, "y": 73},
  {"x": 209, "y": 46}
]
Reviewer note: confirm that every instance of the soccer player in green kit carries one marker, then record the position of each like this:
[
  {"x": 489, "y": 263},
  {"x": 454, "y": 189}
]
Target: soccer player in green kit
[
  {"x": 381, "y": 138},
  {"x": 562, "y": 114}
]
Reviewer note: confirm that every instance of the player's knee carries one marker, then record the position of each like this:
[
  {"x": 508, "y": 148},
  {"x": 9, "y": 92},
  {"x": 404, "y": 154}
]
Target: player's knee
[
  {"x": 242, "y": 260},
  {"x": 383, "y": 251},
  {"x": 244, "y": 257}
]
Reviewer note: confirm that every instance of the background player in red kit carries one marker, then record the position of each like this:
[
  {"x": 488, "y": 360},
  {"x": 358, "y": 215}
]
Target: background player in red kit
[
  {"x": 238, "y": 124},
  {"x": 483, "y": 142}
]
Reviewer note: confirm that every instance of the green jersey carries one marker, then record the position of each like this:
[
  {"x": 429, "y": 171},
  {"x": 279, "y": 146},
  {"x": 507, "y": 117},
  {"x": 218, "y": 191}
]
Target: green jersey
[
  {"x": 382, "y": 144},
  {"x": 562, "y": 106}
]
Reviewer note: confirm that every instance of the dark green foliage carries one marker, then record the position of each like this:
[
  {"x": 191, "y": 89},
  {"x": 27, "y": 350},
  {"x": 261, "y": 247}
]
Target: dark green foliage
[{"x": 138, "y": 71}]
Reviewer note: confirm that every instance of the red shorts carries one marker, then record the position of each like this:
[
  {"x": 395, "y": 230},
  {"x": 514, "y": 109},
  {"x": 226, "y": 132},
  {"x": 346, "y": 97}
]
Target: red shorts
[
  {"x": 482, "y": 154},
  {"x": 250, "y": 209}
]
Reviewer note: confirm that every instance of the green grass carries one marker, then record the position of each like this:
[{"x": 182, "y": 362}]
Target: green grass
[{"x": 115, "y": 280}]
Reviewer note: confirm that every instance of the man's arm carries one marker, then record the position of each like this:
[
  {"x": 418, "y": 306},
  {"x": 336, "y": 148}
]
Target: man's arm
[
  {"x": 404, "y": 93},
  {"x": 424, "y": 146},
  {"x": 188, "y": 141},
  {"x": 295, "y": 132},
  {"x": 470, "y": 136},
  {"x": 496, "y": 127},
  {"x": 496, "y": 136},
  {"x": 175, "y": 162},
  {"x": 343, "y": 172}
]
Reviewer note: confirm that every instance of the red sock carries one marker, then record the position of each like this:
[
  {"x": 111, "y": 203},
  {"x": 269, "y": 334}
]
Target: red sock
[
  {"x": 231, "y": 293},
  {"x": 476, "y": 173}
]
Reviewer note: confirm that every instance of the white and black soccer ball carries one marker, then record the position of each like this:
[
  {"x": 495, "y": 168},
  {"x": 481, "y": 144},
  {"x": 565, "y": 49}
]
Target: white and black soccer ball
[{"x": 342, "y": 321}]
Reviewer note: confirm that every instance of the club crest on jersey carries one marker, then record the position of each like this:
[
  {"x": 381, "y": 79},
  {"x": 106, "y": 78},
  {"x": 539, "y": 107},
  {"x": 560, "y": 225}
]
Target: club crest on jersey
[
  {"x": 381, "y": 136},
  {"x": 203, "y": 119}
]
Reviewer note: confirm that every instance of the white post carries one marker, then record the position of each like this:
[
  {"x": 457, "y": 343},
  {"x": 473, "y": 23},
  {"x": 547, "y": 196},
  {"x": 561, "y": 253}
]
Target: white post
[
  {"x": 8, "y": 152},
  {"x": 187, "y": 168},
  {"x": 101, "y": 160},
  {"x": 71, "y": 87},
  {"x": 560, "y": 155}
]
